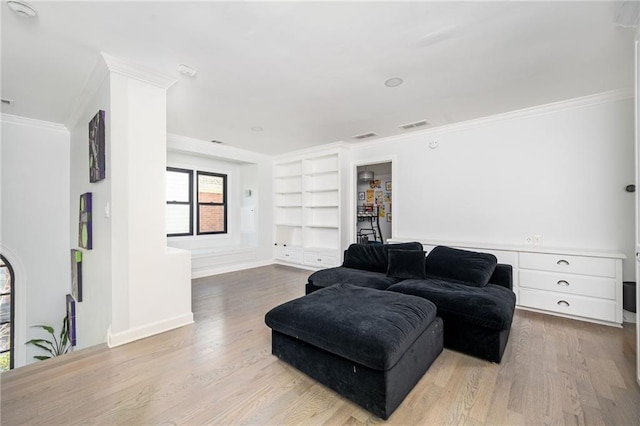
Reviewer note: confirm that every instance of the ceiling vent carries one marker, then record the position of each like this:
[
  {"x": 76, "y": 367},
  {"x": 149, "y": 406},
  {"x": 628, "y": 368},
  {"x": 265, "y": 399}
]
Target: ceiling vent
[
  {"x": 7, "y": 101},
  {"x": 365, "y": 135},
  {"x": 414, "y": 124}
]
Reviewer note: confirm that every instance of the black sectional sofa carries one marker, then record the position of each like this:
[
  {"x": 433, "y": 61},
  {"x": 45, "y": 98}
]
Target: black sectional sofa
[{"x": 472, "y": 292}]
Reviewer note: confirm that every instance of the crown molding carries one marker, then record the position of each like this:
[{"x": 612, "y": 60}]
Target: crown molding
[
  {"x": 104, "y": 65},
  {"x": 90, "y": 88},
  {"x": 136, "y": 72},
  {"x": 32, "y": 122},
  {"x": 551, "y": 108}
]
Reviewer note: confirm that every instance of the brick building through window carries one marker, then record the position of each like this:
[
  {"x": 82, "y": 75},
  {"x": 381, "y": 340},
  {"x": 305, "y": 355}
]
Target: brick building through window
[{"x": 212, "y": 203}]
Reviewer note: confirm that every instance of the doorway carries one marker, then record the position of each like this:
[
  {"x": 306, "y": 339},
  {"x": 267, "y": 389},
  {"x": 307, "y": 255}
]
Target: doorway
[{"x": 374, "y": 202}]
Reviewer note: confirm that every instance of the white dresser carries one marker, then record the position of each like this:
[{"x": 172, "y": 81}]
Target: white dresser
[
  {"x": 588, "y": 287},
  {"x": 580, "y": 284}
]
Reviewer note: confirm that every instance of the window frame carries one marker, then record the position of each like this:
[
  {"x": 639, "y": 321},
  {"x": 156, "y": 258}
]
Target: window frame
[
  {"x": 12, "y": 320},
  {"x": 189, "y": 203},
  {"x": 223, "y": 204}
]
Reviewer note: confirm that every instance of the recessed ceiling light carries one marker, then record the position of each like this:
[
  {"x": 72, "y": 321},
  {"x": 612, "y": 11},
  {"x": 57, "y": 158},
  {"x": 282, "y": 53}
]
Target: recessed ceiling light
[
  {"x": 22, "y": 8},
  {"x": 187, "y": 70},
  {"x": 393, "y": 82},
  {"x": 257, "y": 129}
]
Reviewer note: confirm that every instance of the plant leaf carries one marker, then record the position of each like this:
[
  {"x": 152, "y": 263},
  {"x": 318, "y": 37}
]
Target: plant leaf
[
  {"x": 41, "y": 357},
  {"x": 45, "y": 348},
  {"x": 37, "y": 341},
  {"x": 46, "y": 327}
]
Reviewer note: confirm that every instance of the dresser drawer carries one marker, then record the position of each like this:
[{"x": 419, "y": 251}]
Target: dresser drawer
[
  {"x": 289, "y": 254},
  {"x": 319, "y": 259},
  {"x": 585, "y": 265},
  {"x": 580, "y": 285},
  {"x": 569, "y": 304}
]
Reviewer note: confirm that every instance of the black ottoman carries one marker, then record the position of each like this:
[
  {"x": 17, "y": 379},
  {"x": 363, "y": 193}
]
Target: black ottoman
[{"x": 368, "y": 345}]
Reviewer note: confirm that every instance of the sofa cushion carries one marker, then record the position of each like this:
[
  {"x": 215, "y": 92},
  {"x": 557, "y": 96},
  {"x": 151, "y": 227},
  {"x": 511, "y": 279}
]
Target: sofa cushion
[
  {"x": 406, "y": 264},
  {"x": 463, "y": 266},
  {"x": 340, "y": 274},
  {"x": 373, "y": 257},
  {"x": 370, "y": 327},
  {"x": 491, "y": 306}
]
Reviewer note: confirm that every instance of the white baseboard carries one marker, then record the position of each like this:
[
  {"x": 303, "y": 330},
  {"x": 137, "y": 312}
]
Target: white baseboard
[
  {"x": 229, "y": 268},
  {"x": 137, "y": 333}
]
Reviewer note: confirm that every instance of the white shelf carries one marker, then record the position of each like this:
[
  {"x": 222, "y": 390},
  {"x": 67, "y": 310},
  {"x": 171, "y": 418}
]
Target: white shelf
[
  {"x": 307, "y": 210},
  {"x": 288, "y": 169},
  {"x": 327, "y": 172},
  {"x": 288, "y": 192}
]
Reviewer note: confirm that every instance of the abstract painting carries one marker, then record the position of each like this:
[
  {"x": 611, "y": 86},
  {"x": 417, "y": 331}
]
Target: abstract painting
[
  {"x": 76, "y": 274},
  {"x": 71, "y": 319},
  {"x": 85, "y": 239},
  {"x": 96, "y": 148}
]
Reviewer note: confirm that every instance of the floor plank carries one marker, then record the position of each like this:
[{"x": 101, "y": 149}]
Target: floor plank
[{"x": 220, "y": 371}]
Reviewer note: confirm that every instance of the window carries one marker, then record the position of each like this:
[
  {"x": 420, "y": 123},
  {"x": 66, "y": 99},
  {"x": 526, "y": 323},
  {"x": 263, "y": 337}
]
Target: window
[
  {"x": 179, "y": 202},
  {"x": 210, "y": 196},
  {"x": 6, "y": 315},
  {"x": 212, "y": 203}
]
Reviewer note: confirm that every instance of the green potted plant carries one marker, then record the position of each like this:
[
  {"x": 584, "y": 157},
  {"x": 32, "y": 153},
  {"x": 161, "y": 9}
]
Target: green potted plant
[{"x": 59, "y": 346}]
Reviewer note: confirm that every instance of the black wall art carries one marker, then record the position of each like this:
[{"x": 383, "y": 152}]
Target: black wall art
[
  {"x": 76, "y": 274},
  {"x": 96, "y": 148},
  {"x": 85, "y": 234}
]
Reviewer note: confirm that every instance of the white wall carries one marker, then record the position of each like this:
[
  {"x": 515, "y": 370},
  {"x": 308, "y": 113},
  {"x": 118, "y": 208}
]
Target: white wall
[
  {"x": 34, "y": 224},
  {"x": 93, "y": 314},
  {"x": 557, "y": 171}
]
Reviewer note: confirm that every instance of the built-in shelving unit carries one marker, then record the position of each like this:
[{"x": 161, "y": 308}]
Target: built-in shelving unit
[{"x": 307, "y": 210}]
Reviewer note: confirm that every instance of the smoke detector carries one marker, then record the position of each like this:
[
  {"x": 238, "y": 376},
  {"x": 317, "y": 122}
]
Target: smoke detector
[{"x": 23, "y": 9}]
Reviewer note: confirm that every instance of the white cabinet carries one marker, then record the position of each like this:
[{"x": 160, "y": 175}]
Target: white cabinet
[
  {"x": 289, "y": 254},
  {"x": 574, "y": 283},
  {"x": 588, "y": 287},
  {"x": 320, "y": 258},
  {"x": 307, "y": 210}
]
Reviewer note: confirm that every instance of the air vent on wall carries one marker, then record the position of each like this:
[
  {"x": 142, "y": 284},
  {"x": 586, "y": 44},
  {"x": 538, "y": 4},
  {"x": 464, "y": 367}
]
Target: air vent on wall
[
  {"x": 7, "y": 101},
  {"x": 365, "y": 135},
  {"x": 414, "y": 124}
]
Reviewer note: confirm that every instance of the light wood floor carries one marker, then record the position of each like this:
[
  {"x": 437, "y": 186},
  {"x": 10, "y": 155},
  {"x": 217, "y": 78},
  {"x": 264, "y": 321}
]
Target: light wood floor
[{"x": 220, "y": 371}]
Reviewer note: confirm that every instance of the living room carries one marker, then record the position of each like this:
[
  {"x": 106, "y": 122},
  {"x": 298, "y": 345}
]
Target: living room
[{"x": 551, "y": 159}]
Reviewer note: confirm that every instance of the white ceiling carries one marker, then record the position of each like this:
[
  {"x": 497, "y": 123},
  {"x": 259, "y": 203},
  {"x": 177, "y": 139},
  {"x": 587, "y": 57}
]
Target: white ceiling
[{"x": 311, "y": 73}]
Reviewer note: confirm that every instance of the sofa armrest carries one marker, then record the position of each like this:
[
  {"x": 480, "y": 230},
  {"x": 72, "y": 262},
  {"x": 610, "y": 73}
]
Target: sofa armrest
[
  {"x": 344, "y": 256},
  {"x": 503, "y": 276}
]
